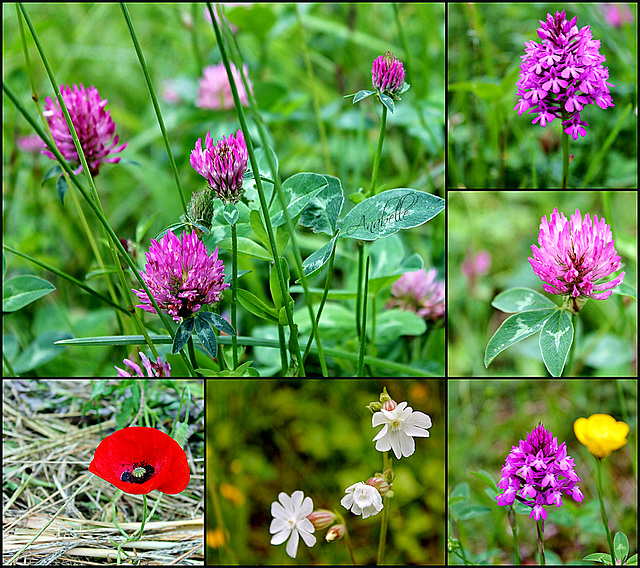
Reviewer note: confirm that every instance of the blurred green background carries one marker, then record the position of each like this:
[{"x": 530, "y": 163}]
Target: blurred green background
[
  {"x": 487, "y": 417},
  {"x": 264, "y": 437},
  {"x": 490, "y": 146},
  {"x": 90, "y": 44},
  {"x": 505, "y": 225}
]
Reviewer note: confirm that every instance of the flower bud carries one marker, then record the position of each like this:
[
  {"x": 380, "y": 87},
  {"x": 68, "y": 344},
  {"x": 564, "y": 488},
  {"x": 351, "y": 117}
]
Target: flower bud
[
  {"x": 387, "y": 75},
  {"x": 380, "y": 484},
  {"x": 336, "y": 532},
  {"x": 374, "y": 407},
  {"x": 321, "y": 518},
  {"x": 390, "y": 405}
]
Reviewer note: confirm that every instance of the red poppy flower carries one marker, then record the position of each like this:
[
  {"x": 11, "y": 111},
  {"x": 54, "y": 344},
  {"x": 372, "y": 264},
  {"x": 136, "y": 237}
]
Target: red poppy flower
[{"x": 139, "y": 460}]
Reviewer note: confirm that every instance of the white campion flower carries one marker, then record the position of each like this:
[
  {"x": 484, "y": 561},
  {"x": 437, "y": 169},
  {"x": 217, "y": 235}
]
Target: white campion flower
[
  {"x": 290, "y": 520},
  {"x": 400, "y": 425},
  {"x": 362, "y": 499}
]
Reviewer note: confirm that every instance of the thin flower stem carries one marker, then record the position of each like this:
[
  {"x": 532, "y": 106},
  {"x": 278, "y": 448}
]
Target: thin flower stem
[
  {"x": 376, "y": 159},
  {"x": 194, "y": 38},
  {"x": 263, "y": 203},
  {"x": 514, "y": 530},
  {"x": 565, "y": 157},
  {"x": 541, "y": 541},
  {"x": 154, "y": 100},
  {"x": 360, "y": 246},
  {"x": 363, "y": 327},
  {"x": 347, "y": 540},
  {"x": 386, "y": 464},
  {"x": 603, "y": 512},
  {"x": 283, "y": 349},
  {"x": 234, "y": 293},
  {"x": 192, "y": 353}
]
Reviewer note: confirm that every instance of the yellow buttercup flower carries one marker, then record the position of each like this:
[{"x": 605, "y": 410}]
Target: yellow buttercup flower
[{"x": 601, "y": 434}]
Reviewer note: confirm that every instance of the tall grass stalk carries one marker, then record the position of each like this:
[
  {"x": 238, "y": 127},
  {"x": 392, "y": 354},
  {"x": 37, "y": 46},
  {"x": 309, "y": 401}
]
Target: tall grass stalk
[
  {"x": 154, "y": 100},
  {"x": 603, "y": 511}
]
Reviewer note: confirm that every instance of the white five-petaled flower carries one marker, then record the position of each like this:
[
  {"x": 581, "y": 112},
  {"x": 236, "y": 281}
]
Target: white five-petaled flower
[
  {"x": 362, "y": 499},
  {"x": 400, "y": 425},
  {"x": 290, "y": 519}
]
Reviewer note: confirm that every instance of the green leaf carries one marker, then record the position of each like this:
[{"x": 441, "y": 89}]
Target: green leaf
[
  {"x": 621, "y": 546},
  {"x": 473, "y": 511},
  {"x": 322, "y": 212},
  {"x": 485, "y": 90},
  {"x": 20, "y": 291},
  {"x": 599, "y": 557},
  {"x": 357, "y": 197},
  {"x": 40, "y": 351},
  {"x": 217, "y": 321},
  {"x": 521, "y": 300},
  {"x": 206, "y": 335},
  {"x": 486, "y": 477},
  {"x": 230, "y": 213},
  {"x": 183, "y": 333},
  {"x": 256, "y": 306},
  {"x": 314, "y": 263},
  {"x": 387, "y": 101},
  {"x": 247, "y": 247},
  {"x": 51, "y": 173},
  {"x": 255, "y": 220},
  {"x": 386, "y": 213},
  {"x": 244, "y": 370},
  {"x": 361, "y": 95},
  {"x": 279, "y": 296},
  {"x": 297, "y": 191},
  {"x": 393, "y": 323},
  {"x": 181, "y": 433},
  {"x": 61, "y": 188},
  {"x": 515, "y": 328},
  {"x": 633, "y": 561},
  {"x": 458, "y": 505},
  {"x": 388, "y": 262},
  {"x": 556, "y": 338},
  {"x": 626, "y": 290}
]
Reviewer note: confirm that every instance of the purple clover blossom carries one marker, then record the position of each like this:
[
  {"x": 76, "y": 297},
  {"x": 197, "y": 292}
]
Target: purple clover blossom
[
  {"x": 93, "y": 124},
  {"x": 563, "y": 74},
  {"x": 158, "y": 369},
  {"x": 574, "y": 254},
  {"x": 532, "y": 473},
  {"x": 214, "y": 91},
  {"x": 387, "y": 75},
  {"x": 222, "y": 165},
  {"x": 419, "y": 292},
  {"x": 181, "y": 276}
]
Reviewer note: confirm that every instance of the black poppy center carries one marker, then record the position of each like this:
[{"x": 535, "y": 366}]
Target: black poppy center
[{"x": 139, "y": 473}]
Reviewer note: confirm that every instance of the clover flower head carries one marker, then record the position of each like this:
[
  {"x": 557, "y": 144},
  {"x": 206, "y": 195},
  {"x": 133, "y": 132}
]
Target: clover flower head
[
  {"x": 601, "y": 434},
  {"x": 290, "y": 521},
  {"x": 222, "y": 164},
  {"x": 563, "y": 74},
  {"x": 574, "y": 255},
  {"x": 387, "y": 75},
  {"x": 92, "y": 122},
  {"x": 420, "y": 292},
  {"x": 400, "y": 425},
  {"x": 214, "y": 91},
  {"x": 182, "y": 276},
  {"x": 158, "y": 369},
  {"x": 538, "y": 472},
  {"x": 362, "y": 499}
]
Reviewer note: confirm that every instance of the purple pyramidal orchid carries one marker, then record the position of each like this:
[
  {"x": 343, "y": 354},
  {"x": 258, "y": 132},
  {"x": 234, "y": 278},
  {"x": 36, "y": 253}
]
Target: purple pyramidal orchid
[
  {"x": 537, "y": 472},
  {"x": 92, "y": 122},
  {"x": 563, "y": 74},
  {"x": 222, "y": 164},
  {"x": 574, "y": 255},
  {"x": 182, "y": 276}
]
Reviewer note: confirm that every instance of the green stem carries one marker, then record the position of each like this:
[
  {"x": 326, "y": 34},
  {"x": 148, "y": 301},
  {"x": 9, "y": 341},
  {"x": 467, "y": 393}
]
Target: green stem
[
  {"x": 154, "y": 100},
  {"x": 603, "y": 512},
  {"x": 376, "y": 159},
  {"x": 363, "y": 326},
  {"x": 386, "y": 464},
  {"x": 514, "y": 530},
  {"x": 565, "y": 155},
  {"x": 234, "y": 292},
  {"x": 293, "y": 328},
  {"x": 360, "y": 246},
  {"x": 541, "y": 541},
  {"x": 192, "y": 353}
]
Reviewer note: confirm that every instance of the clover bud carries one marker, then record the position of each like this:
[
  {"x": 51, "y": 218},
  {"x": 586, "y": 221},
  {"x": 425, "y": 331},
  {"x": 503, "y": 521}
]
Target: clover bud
[
  {"x": 321, "y": 518},
  {"x": 336, "y": 532}
]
